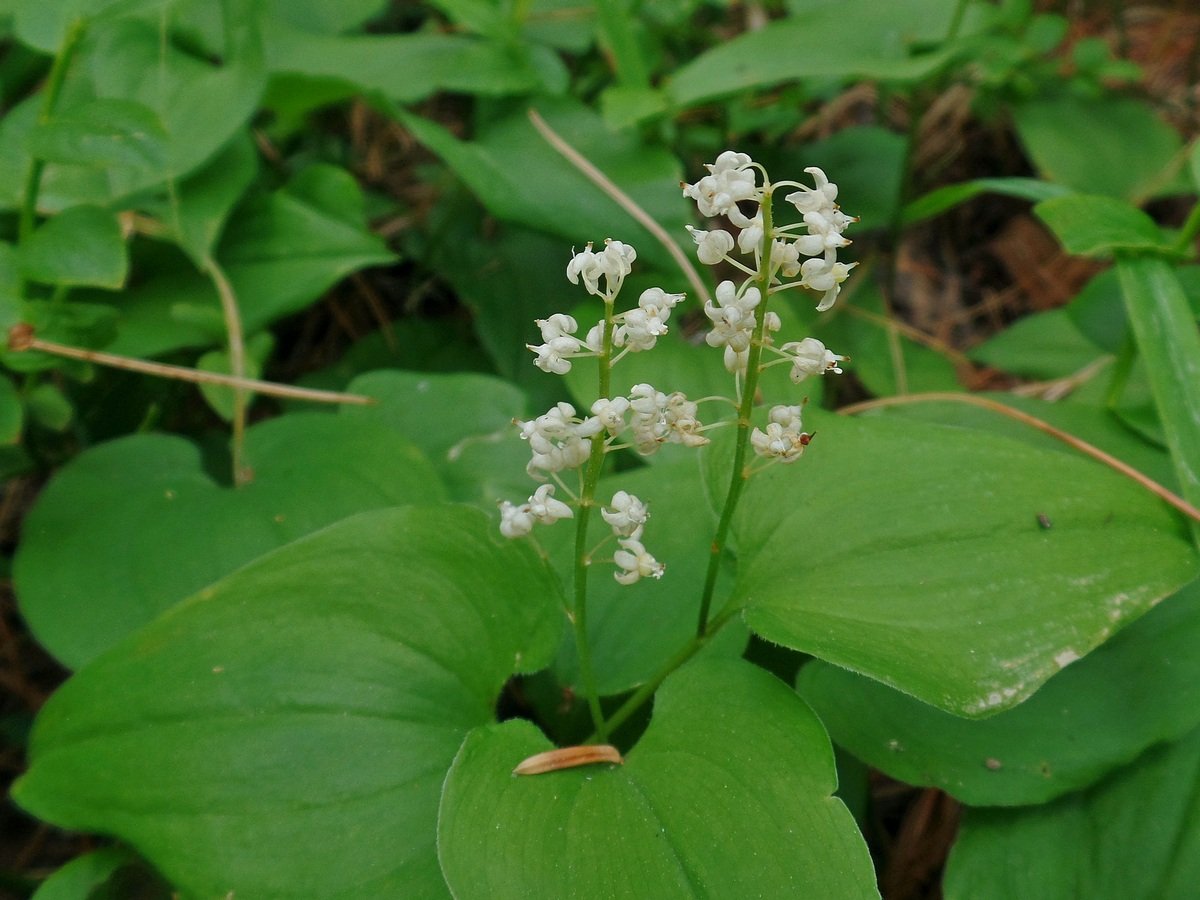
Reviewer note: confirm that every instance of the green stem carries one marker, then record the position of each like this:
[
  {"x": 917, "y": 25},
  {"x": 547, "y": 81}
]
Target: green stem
[
  {"x": 739, "y": 473},
  {"x": 647, "y": 689},
  {"x": 54, "y": 82},
  {"x": 587, "y": 501},
  {"x": 956, "y": 22},
  {"x": 1191, "y": 228}
]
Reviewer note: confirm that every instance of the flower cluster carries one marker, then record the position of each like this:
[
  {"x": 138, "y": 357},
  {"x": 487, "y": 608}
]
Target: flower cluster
[
  {"x": 646, "y": 418},
  {"x": 802, "y": 254},
  {"x": 633, "y": 330}
]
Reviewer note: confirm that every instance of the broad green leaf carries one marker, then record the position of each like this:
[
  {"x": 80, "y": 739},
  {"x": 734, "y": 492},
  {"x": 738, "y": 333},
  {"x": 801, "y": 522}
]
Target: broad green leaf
[
  {"x": 496, "y": 166},
  {"x": 864, "y": 339},
  {"x": 103, "y": 133},
  {"x": 634, "y": 629},
  {"x": 201, "y": 105},
  {"x": 42, "y": 24},
  {"x": 1131, "y": 837},
  {"x": 111, "y": 873},
  {"x": 913, "y": 554},
  {"x": 727, "y": 792},
  {"x": 197, "y": 209},
  {"x": 1045, "y": 345},
  {"x": 402, "y": 67},
  {"x": 49, "y": 408},
  {"x": 1140, "y": 688},
  {"x": 462, "y": 423},
  {"x": 938, "y": 201},
  {"x": 158, "y": 528},
  {"x": 323, "y": 17},
  {"x": 1090, "y": 225},
  {"x": 1099, "y": 311},
  {"x": 11, "y": 413},
  {"x": 1165, "y": 328},
  {"x": 819, "y": 45},
  {"x": 1090, "y": 421},
  {"x": 280, "y": 252},
  {"x": 1105, "y": 145},
  {"x": 311, "y": 703},
  {"x": 80, "y": 246}
]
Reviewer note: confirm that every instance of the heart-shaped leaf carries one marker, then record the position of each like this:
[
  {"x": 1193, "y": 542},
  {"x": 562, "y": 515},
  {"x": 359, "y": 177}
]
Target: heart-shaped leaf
[
  {"x": 914, "y": 554},
  {"x": 286, "y": 732},
  {"x": 727, "y": 794},
  {"x": 1140, "y": 688},
  {"x": 1131, "y": 837},
  {"x": 158, "y": 528}
]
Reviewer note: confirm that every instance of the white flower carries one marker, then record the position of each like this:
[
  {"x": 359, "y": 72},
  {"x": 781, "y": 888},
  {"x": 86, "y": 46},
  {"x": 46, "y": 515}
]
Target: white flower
[
  {"x": 635, "y": 562},
  {"x": 711, "y": 246},
  {"x": 783, "y": 440},
  {"x": 626, "y": 514},
  {"x": 560, "y": 344},
  {"x": 749, "y": 239},
  {"x": 515, "y": 521},
  {"x": 815, "y": 199},
  {"x": 611, "y": 413},
  {"x": 731, "y": 179},
  {"x": 612, "y": 263},
  {"x": 810, "y": 357},
  {"x": 518, "y": 521},
  {"x": 545, "y": 509},
  {"x": 732, "y": 317},
  {"x": 659, "y": 418},
  {"x": 821, "y": 274},
  {"x": 558, "y": 440}
]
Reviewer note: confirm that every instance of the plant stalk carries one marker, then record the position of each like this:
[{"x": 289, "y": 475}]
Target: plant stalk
[{"x": 740, "y": 473}]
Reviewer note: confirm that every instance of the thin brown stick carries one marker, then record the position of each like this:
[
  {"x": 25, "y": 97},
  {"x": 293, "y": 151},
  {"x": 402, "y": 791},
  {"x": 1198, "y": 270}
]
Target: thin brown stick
[
  {"x": 1034, "y": 422},
  {"x": 21, "y": 338},
  {"x": 237, "y": 365},
  {"x": 598, "y": 178}
]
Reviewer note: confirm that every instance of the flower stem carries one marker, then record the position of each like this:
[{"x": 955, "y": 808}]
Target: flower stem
[
  {"x": 639, "y": 697},
  {"x": 587, "y": 501},
  {"x": 54, "y": 82},
  {"x": 739, "y": 472}
]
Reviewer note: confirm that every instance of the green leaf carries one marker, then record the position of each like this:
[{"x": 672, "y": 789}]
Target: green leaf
[
  {"x": 280, "y": 252},
  {"x": 1096, "y": 226},
  {"x": 1105, "y": 145},
  {"x": 42, "y": 24},
  {"x": 48, "y": 407},
  {"x": 196, "y": 211},
  {"x": 864, "y": 339},
  {"x": 938, "y": 201},
  {"x": 462, "y": 423},
  {"x": 201, "y": 105},
  {"x": 1044, "y": 345},
  {"x": 496, "y": 166},
  {"x": 1101, "y": 712},
  {"x": 80, "y": 246},
  {"x": 1165, "y": 328},
  {"x": 11, "y": 413},
  {"x": 728, "y": 788},
  {"x": 323, "y": 17},
  {"x": 111, "y": 873},
  {"x": 913, "y": 555},
  {"x": 819, "y": 45},
  {"x": 1132, "y": 837},
  {"x": 402, "y": 67},
  {"x": 311, "y": 703},
  {"x": 159, "y": 529},
  {"x": 102, "y": 133}
]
